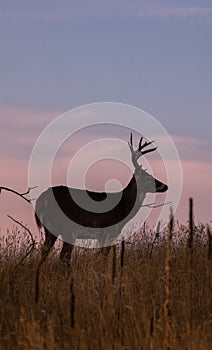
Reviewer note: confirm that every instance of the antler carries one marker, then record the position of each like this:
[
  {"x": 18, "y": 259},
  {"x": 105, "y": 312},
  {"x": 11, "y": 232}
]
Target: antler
[{"x": 136, "y": 154}]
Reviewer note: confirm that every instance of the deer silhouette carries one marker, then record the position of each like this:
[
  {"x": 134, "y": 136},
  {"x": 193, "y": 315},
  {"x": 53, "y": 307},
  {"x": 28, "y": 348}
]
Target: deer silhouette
[{"x": 59, "y": 213}]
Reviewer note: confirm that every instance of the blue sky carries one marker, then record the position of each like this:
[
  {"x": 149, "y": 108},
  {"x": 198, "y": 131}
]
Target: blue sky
[
  {"x": 58, "y": 55},
  {"x": 156, "y": 55}
]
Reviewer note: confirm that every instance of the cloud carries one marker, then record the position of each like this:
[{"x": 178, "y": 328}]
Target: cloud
[
  {"x": 20, "y": 128},
  {"x": 64, "y": 11},
  {"x": 174, "y": 12},
  {"x": 193, "y": 149}
]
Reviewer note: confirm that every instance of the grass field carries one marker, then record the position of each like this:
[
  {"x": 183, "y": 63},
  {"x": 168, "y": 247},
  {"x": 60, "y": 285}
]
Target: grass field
[{"x": 150, "y": 293}]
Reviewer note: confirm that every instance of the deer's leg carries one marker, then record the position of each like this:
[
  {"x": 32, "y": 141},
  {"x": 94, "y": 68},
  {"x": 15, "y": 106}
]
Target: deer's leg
[
  {"x": 107, "y": 240},
  {"x": 105, "y": 251},
  {"x": 48, "y": 244},
  {"x": 66, "y": 251},
  {"x": 103, "y": 241}
]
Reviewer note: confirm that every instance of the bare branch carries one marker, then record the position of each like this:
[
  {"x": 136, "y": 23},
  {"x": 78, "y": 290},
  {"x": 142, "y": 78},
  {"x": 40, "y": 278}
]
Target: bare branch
[
  {"x": 19, "y": 194},
  {"x": 25, "y": 228},
  {"x": 28, "y": 191},
  {"x": 31, "y": 248},
  {"x": 153, "y": 206}
]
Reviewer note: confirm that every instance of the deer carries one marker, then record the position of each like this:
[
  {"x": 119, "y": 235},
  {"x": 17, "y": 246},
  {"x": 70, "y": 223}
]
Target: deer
[{"x": 109, "y": 222}]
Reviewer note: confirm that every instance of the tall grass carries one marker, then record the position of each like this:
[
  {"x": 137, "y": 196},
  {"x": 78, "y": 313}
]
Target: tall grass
[{"x": 138, "y": 297}]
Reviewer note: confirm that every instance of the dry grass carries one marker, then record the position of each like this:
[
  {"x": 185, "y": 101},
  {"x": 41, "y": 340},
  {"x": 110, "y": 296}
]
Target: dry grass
[{"x": 116, "y": 302}]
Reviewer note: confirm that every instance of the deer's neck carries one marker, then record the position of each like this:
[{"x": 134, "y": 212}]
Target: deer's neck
[{"x": 132, "y": 198}]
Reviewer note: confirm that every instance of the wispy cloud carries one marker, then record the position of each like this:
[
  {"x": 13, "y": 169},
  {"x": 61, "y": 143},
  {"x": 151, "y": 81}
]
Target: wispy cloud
[
  {"x": 174, "y": 12},
  {"x": 22, "y": 126},
  {"x": 192, "y": 149},
  {"x": 63, "y": 11}
]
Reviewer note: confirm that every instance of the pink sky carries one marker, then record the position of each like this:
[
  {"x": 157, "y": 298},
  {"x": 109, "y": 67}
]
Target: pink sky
[{"x": 16, "y": 148}]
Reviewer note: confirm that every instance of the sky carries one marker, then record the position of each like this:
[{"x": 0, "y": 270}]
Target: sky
[{"x": 58, "y": 55}]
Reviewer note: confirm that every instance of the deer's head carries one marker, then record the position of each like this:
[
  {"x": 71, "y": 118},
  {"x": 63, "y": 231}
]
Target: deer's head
[{"x": 146, "y": 183}]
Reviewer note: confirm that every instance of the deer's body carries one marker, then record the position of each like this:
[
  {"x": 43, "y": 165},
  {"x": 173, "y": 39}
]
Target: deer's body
[
  {"x": 73, "y": 221},
  {"x": 81, "y": 216}
]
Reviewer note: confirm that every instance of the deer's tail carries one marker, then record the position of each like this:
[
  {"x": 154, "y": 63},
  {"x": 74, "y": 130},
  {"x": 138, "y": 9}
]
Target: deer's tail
[{"x": 40, "y": 206}]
